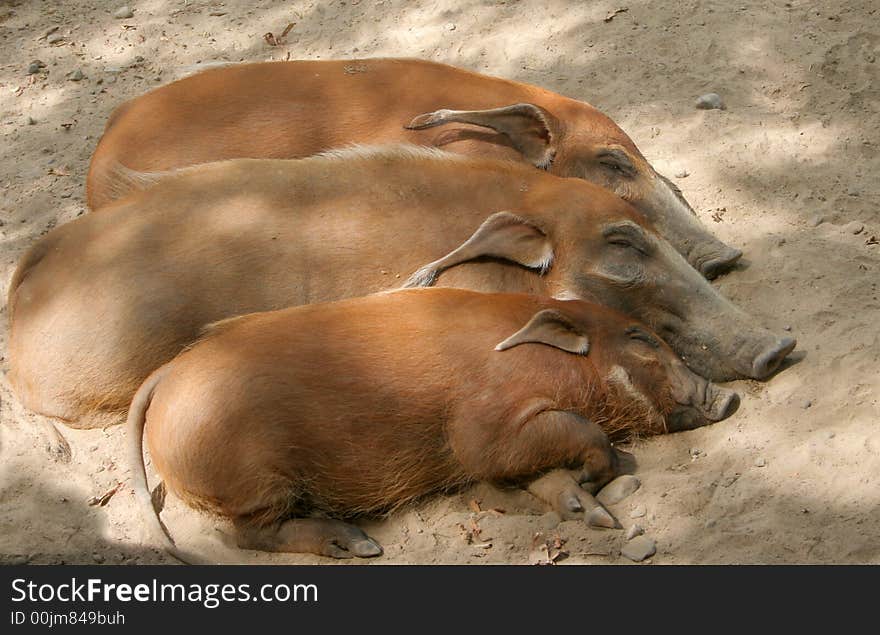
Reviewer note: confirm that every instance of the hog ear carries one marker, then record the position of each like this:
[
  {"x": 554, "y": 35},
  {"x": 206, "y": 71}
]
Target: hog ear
[
  {"x": 502, "y": 235},
  {"x": 531, "y": 129},
  {"x": 552, "y": 328}
]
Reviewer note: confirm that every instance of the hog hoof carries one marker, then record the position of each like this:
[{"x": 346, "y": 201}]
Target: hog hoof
[
  {"x": 348, "y": 542},
  {"x": 600, "y": 517}
]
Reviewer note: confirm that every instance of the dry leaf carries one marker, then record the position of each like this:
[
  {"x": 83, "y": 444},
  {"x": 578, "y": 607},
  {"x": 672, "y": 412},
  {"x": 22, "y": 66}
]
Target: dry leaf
[
  {"x": 612, "y": 15},
  {"x": 100, "y": 501},
  {"x": 475, "y": 506},
  {"x": 540, "y": 555}
]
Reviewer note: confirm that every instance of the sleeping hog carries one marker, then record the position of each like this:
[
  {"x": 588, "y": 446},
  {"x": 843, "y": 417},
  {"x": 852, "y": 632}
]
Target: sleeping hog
[
  {"x": 99, "y": 303},
  {"x": 363, "y": 405},
  {"x": 295, "y": 109}
]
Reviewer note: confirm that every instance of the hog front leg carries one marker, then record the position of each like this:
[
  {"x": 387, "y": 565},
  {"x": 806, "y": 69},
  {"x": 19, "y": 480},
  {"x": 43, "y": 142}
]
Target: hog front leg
[
  {"x": 553, "y": 439},
  {"x": 560, "y": 490}
]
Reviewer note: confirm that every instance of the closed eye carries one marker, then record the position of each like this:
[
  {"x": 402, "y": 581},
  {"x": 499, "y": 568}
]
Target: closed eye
[
  {"x": 635, "y": 333},
  {"x": 626, "y": 243}
]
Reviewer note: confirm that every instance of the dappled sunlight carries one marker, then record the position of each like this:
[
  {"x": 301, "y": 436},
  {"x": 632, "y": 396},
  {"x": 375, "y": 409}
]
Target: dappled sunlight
[{"x": 787, "y": 172}]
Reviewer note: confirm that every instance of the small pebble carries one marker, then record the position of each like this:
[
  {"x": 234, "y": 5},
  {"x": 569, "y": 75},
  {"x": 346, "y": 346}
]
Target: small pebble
[
  {"x": 638, "y": 512},
  {"x": 450, "y": 26},
  {"x": 830, "y": 434},
  {"x": 35, "y": 66},
  {"x": 55, "y": 37},
  {"x": 682, "y": 174},
  {"x": 97, "y": 557},
  {"x": 787, "y": 327},
  {"x": 123, "y": 13},
  {"x": 31, "y": 121},
  {"x": 709, "y": 101},
  {"x": 618, "y": 489},
  {"x": 76, "y": 76},
  {"x": 760, "y": 462},
  {"x": 19, "y": 560},
  {"x": 639, "y": 548},
  {"x": 711, "y": 523},
  {"x": 816, "y": 220},
  {"x": 806, "y": 404},
  {"x": 635, "y": 530},
  {"x": 852, "y": 192}
]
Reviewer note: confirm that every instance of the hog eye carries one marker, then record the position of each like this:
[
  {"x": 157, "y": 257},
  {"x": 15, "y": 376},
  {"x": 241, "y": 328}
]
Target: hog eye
[
  {"x": 638, "y": 334},
  {"x": 617, "y": 161},
  {"x": 625, "y": 243}
]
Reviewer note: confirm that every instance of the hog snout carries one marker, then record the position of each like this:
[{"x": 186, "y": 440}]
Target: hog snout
[
  {"x": 711, "y": 404},
  {"x": 718, "y": 261},
  {"x": 723, "y": 403},
  {"x": 769, "y": 359}
]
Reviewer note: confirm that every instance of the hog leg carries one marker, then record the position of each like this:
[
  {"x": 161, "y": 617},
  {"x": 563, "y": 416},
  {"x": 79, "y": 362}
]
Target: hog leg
[
  {"x": 56, "y": 445},
  {"x": 561, "y": 491},
  {"x": 320, "y": 536},
  {"x": 551, "y": 439}
]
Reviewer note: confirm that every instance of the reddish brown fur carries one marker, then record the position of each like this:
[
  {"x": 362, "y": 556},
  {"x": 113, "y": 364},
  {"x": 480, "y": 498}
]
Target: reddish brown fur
[
  {"x": 102, "y": 301},
  {"x": 299, "y": 108},
  {"x": 363, "y": 405}
]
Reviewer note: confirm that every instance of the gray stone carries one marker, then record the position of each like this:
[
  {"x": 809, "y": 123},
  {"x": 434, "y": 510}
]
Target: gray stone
[
  {"x": 123, "y": 13},
  {"x": 55, "y": 37},
  {"x": 709, "y": 101},
  {"x": 760, "y": 462},
  {"x": 635, "y": 530},
  {"x": 806, "y": 404},
  {"x": 35, "y": 67},
  {"x": 76, "y": 76},
  {"x": 854, "y": 227},
  {"x": 816, "y": 220},
  {"x": 638, "y": 512},
  {"x": 682, "y": 174},
  {"x": 618, "y": 489},
  {"x": 787, "y": 327},
  {"x": 639, "y": 548}
]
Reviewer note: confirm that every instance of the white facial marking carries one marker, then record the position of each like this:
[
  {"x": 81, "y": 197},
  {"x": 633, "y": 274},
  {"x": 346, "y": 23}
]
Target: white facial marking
[{"x": 620, "y": 377}]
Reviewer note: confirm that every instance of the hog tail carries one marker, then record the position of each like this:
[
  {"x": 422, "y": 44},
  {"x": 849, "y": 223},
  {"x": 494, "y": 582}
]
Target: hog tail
[
  {"x": 135, "y": 431},
  {"x": 424, "y": 277},
  {"x": 121, "y": 180}
]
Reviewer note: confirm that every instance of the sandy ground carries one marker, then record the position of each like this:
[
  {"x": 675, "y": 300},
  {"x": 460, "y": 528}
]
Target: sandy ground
[{"x": 788, "y": 172}]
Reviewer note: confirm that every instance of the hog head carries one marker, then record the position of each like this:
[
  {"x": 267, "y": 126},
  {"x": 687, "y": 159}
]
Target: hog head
[
  {"x": 584, "y": 143},
  {"x": 647, "y": 388},
  {"x": 620, "y": 261}
]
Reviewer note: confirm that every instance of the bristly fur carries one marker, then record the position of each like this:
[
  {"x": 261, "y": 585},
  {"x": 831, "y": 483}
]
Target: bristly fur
[{"x": 623, "y": 418}]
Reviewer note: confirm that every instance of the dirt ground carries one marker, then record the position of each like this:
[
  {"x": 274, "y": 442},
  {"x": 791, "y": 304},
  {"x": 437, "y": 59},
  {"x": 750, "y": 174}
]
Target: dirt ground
[{"x": 787, "y": 172}]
